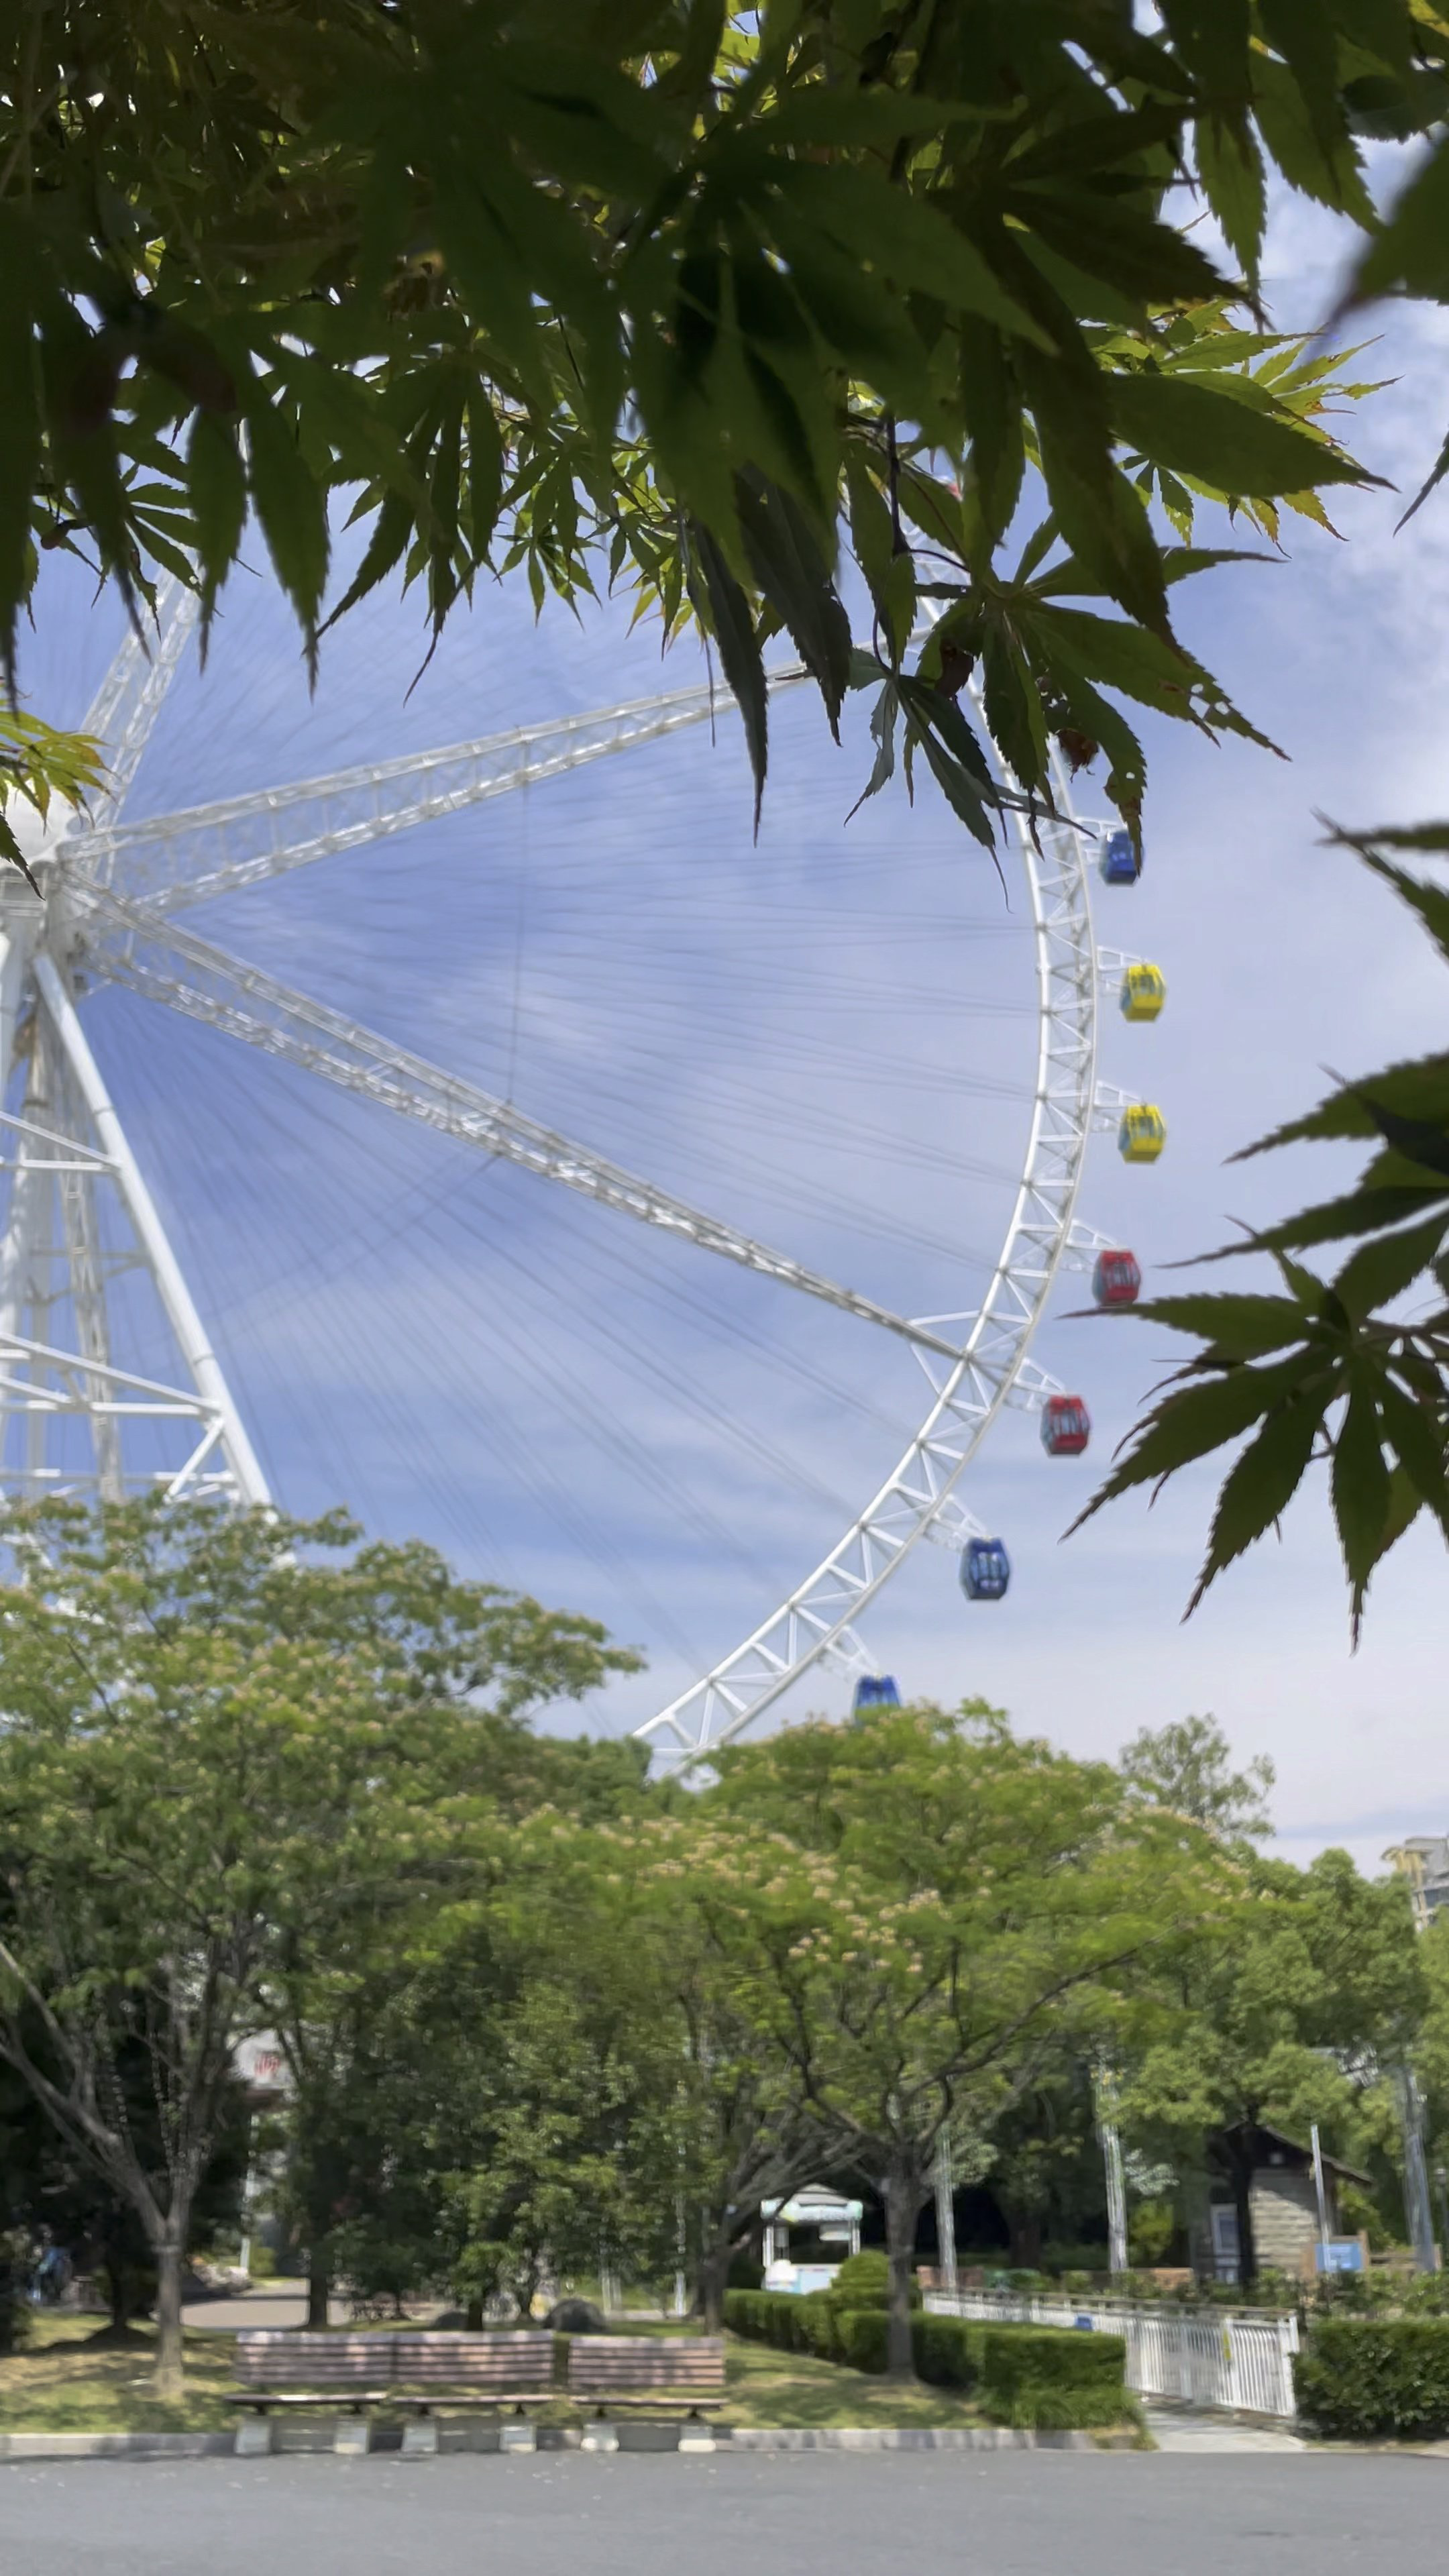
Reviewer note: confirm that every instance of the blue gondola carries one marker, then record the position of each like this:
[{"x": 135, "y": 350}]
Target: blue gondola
[
  {"x": 985, "y": 1569},
  {"x": 1120, "y": 863},
  {"x": 875, "y": 1690}
]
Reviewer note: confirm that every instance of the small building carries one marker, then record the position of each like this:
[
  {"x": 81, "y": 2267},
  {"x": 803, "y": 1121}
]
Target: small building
[
  {"x": 1282, "y": 2207},
  {"x": 1423, "y": 1859},
  {"x": 802, "y": 2236}
]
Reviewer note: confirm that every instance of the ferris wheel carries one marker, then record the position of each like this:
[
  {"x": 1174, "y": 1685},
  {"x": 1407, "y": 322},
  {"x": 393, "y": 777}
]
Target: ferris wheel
[{"x": 74, "y": 1420}]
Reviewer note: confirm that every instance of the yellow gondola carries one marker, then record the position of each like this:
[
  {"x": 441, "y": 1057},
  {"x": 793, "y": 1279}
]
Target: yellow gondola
[
  {"x": 1142, "y": 1134},
  {"x": 1144, "y": 990}
]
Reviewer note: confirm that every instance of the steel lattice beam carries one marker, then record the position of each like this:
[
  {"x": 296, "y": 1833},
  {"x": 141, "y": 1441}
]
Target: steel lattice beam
[{"x": 202, "y": 851}]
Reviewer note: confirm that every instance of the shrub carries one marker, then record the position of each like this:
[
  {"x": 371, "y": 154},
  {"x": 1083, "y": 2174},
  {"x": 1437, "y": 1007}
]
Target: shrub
[
  {"x": 1154, "y": 2226},
  {"x": 1043, "y": 2376},
  {"x": 861, "y": 2337},
  {"x": 864, "y": 2281},
  {"x": 817, "y": 2326},
  {"x": 1065, "y": 2259},
  {"x": 742, "y": 2313},
  {"x": 1052, "y": 2377},
  {"x": 947, "y": 2351},
  {"x": 1373, "y": 2379}
]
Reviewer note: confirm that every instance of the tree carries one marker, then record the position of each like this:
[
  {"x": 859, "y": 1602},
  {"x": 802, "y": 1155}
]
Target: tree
[
  {"x": 1311, "y": 1988},
  {"x": 56, "y": 2195},
  {"x": 699, "y": 1913},
  {"x": 1186, "y": 1765},
  {"x": 957, "y": 1911},
  {"x": 643, "y": 291},
  {"x": 218, "y": 1752},
  {"x": 1330, "y": 1372},
  {"x": 470, "y": 2104}
]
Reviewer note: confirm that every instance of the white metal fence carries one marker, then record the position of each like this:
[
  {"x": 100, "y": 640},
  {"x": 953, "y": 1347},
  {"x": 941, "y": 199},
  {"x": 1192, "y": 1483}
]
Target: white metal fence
[{"x": 1243, "y": 2362}]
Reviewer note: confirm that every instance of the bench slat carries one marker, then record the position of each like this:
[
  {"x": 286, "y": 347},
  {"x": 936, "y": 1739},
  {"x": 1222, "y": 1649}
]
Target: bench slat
[
  {"x": 279, "y": 2359},
  {"x": 512, "y": 2362},
  {"x": 603, "y": 2365}
]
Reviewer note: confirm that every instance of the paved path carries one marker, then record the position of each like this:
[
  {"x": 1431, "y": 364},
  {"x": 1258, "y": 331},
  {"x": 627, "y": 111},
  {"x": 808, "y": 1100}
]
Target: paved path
[
  {"x": 1008, "y": 2513},
  {"x": 1177, "y": 2428},
  {"x": 275, "y": 2303}
]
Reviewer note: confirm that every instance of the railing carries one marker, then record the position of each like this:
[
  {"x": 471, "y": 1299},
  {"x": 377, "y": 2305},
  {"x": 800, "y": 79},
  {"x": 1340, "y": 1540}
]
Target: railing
[{"x": 1240, "y": 2362}]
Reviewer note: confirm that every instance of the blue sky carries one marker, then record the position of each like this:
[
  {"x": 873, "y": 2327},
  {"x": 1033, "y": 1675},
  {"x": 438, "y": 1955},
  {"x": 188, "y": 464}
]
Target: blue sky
[{"x": 829, "y": 1038}]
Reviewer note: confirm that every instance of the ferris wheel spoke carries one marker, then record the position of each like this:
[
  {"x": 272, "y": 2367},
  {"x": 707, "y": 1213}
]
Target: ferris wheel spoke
[
  {"x": 125, "y": 707},
  {"x": 189, "y": 857},
  {"x": 132, "y": 945}
]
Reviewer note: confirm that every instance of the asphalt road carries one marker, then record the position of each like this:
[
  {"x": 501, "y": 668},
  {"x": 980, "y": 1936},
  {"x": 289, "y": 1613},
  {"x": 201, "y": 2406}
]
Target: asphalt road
[{"x": 1006, "y": 2514}]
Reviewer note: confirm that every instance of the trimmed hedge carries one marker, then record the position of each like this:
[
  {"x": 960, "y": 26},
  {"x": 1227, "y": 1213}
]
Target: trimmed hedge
[
  {"x": 1054, "y": 2378},
  {"x": 1374, "y": 2379},
  {"x": 948, "y": 2351}
]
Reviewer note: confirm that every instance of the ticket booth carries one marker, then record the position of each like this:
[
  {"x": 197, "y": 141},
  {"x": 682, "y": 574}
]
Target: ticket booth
[{"x": 808, "y": 2237}]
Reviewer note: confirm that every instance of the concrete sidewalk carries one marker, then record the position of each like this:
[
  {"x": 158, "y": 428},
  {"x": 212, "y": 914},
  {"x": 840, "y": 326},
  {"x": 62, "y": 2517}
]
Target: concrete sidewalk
[{"x": 1178, "y": 2428}]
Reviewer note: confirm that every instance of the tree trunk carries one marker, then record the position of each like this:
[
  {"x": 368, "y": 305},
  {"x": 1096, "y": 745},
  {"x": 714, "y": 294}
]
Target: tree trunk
[
  {"x": 473, "y": 2314},
  {"x": 903, "y": 2208},
  {"x": 1025, "y": 2244},
  {"x": 714, "y": 2267},
  {"x": 319, "y": 2286},
  {"x": 168, "y": 2248},
  {"x": 118, "y": 2278}
]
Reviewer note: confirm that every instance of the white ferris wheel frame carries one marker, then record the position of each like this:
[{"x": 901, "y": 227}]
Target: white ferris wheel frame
[
  {"x": 992, "y": 1367},
  {"x": 110, "y": 891}
]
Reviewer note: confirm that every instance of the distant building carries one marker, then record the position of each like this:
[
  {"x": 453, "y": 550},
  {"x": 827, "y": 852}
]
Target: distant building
[
  {"x": 1423, "y": 1859},
  {"x": 1282, "y": 2206}
]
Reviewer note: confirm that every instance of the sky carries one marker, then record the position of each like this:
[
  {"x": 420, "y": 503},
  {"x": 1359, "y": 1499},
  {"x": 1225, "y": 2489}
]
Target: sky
[{"x": 829, "y": 1039}]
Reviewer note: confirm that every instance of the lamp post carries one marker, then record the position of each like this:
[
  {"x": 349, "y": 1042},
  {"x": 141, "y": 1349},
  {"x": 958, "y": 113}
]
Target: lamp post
[
  {"x": 1441, "y": 2186},
  {"x": 945, "y": 2213},
  {"x": 1110, "y": 2138}
]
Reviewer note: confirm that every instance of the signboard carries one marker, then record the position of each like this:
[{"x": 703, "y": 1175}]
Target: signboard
[
  {"x": 813, "y": 2207},
  {"x": 260, "y": 2065},
  {"x": 1340, "y": 2254}
]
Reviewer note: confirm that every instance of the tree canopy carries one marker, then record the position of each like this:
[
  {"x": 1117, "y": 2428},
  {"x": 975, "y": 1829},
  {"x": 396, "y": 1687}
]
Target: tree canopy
[
  {"x": 954, "y": 1911},
  {"x": 1187, "y": 1765},
  {"x": 1293, "y": 2015},
  {"x": 706, "y": 300},
  {"x": 230, "y": 1764}
]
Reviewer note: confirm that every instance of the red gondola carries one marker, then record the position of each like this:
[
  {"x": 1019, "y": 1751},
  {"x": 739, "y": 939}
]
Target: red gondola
[
  {"x": 1066, "y": 1426},
  {"x": 1116, "y": 1279}
]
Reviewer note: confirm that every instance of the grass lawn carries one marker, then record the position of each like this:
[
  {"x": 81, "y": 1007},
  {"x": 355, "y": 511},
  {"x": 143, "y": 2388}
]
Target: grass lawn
[
  {"x": 63, "y": 2382},
  {"x": 769, "y": 2387}
]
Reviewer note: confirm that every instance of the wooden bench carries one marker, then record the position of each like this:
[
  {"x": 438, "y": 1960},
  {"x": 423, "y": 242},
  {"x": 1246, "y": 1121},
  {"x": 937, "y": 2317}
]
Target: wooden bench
[
  {"x": 281, "y": 2368},
  {"x": 663, "y": 2374}
]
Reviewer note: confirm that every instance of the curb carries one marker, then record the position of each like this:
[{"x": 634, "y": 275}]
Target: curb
[
  {"x": 113, "y": 2446},
  {"x": 782, "y": 2437}
]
